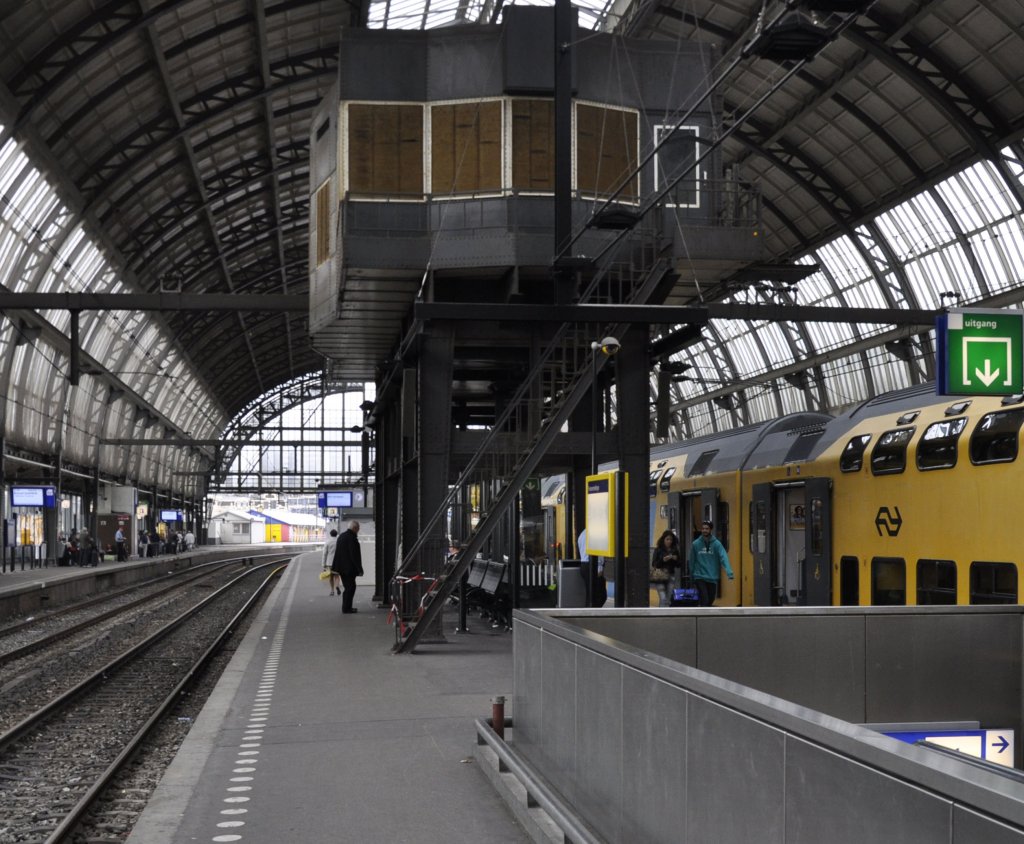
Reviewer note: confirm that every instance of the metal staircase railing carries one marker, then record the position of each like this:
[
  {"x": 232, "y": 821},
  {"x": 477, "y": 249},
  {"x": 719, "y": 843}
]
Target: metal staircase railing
[{"x": 521, "y": 435}]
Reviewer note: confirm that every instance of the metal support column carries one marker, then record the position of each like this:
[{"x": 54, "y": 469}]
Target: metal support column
[{"x": 632, "y": 369}]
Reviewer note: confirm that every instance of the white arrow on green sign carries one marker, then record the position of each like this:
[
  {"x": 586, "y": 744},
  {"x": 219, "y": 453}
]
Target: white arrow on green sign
[{"x": 985, "y": 352}]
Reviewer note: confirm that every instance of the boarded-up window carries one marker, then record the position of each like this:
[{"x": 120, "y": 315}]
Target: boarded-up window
[
  {"x": 323, "y": 223},
  {"x": 533, "y": 145},
  {"x": 385, "y": 149},
  {"x": 606, "y": 151},
  {"x": 465, "y": 148}
]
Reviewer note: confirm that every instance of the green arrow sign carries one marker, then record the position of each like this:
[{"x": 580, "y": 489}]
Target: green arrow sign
[{"x": 985, "y": 352}]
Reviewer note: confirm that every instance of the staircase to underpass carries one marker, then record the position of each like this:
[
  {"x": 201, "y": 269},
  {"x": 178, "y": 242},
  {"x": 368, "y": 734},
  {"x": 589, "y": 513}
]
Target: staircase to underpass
[{"x": 521, "y": 435}]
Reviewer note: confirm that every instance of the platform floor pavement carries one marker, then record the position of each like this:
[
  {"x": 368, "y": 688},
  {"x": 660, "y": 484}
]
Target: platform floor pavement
[{"x": 317, "y": 733}]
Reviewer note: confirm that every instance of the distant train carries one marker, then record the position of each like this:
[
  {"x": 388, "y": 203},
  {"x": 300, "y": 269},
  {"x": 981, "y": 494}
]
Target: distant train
[{"x": 907, "y": 499}]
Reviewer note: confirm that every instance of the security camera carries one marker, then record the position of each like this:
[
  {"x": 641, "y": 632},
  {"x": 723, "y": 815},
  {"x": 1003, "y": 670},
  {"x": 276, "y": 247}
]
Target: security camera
[{"x": 610, "y": 346}]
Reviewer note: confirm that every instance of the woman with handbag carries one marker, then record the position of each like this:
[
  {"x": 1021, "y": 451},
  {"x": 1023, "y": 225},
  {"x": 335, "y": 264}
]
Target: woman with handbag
[{"x": 664, "y": 563}]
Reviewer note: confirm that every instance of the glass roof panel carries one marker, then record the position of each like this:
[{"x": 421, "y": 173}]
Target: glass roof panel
[{"x": 430, "y": 14}]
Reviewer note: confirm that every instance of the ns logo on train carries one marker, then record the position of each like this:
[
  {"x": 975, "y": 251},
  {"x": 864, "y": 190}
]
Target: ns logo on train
[{"x": 888, "y": 520}]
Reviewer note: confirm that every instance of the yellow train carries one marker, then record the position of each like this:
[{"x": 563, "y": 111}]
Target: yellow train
[{"x": 906, "y": 499}]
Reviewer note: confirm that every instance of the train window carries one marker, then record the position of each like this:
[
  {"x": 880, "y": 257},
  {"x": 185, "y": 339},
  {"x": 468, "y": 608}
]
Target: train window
[
  {"x": 852, "y": 457},
  {"x": 654, "y": 475},
  {"x": 936, "y": 582},
  {"x": 700, "y": 465},
  {"x": 385, "y": 149},
  {"x": 938, "y": 446},
  {"x": 801, "y": 448},
  {"x": 889, "y": 456},
  {"x": 888, "y": 581},
  {"x": 533, "y": 145},
  {"x": 722, "y": 525},
  {"x": 993, "y": 583},
  {"x": 849, "y": 581},
  {"x": 994, "y": 439},
  {"x": 666, "y": 478}
]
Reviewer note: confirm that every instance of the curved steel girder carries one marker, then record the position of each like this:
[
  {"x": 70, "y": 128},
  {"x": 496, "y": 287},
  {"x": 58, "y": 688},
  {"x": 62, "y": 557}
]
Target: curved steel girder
[
  {"x": 960, "y": 109},
  {"x": 294, "y": 393},
  {"x": 162, "y": 132},
  {"x": 259, "y": 239},
  {"x": 165, "y": 230}
]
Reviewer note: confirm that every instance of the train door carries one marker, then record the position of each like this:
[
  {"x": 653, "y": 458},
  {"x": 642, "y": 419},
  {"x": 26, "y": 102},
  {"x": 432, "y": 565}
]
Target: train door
[
  {"x": 818, "y": 566},
  {"x": 688, "y": 510},
  {"x": 761, "y": 542},
  {"x": 790, "y": 542}
]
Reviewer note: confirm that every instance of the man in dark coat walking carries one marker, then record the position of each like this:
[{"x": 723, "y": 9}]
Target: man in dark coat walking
[{"x": 348, "y": 563}]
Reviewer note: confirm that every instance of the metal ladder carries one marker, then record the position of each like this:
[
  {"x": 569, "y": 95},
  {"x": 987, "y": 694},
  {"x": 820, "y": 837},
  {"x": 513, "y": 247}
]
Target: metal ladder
[{"x": 520, "y": 437}]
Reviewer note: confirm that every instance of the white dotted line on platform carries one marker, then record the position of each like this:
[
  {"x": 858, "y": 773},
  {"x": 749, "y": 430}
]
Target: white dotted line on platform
[{"x": 252, "y": 740}]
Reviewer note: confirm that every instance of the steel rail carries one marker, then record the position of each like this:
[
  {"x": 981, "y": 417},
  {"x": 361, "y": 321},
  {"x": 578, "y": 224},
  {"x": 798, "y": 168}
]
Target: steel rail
[
  {"x": 20, "y": 729},
  {"x": 180, "y": 580},
  {"x": 67, "y": 826}
]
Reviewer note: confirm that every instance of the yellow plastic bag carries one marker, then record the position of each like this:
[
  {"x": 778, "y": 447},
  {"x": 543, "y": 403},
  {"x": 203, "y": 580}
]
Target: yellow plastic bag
[{"x": 325, "y": 573}]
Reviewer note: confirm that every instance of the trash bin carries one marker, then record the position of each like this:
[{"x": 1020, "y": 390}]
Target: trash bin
[{"x": 572, "y": 588}]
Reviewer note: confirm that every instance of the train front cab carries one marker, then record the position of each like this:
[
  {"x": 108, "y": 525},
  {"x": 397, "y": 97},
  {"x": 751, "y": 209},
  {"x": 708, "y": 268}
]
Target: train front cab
[{"x": 789, "y": 542}]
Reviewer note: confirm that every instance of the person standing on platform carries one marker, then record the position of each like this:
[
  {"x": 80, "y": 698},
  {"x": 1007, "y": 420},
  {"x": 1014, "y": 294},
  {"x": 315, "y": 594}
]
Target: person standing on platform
[
  {"x": 707, "y": 556},
  {"x": 665, "y": 559},
  {"x": 86, "y": 552},
  {"x": 119, "y": 545},
  {"x": 329, "y": 546},
  {"x": 190, "y": 540},
  {"x": 348, "y": 564}
]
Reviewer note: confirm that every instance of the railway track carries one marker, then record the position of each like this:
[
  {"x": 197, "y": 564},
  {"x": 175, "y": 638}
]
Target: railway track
[{"x": 57, "y": 760}]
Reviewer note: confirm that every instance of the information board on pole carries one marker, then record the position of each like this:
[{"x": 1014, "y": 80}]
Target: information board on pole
[
  {"x": 980, "y": 352},
  {"x": 602, "y": 535}
]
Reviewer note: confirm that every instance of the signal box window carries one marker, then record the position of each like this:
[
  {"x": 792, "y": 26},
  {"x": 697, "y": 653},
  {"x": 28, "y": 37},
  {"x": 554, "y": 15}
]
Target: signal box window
[
  {"x": 993, "y": 583},
  {"x": 849, "y": 581},
  {"x": 852, "y": 458},
  {"x": 607, "y": 140},
  {"x": 533, "y": 145},
  {"x": 889, "y": 456},
  {"x": 465, "y": 148},
  {"x": 938, "y": 446},
  {"x": 385, "y": 149},
  {"x": 675, "y": 163},
  {"x": 995, "y": 439},
  {"x": 888, "y": 582},
  {"x": 936, "y": 582}
]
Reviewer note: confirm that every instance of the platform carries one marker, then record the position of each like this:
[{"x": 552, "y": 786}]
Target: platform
[{"x": 317, "y": 732}]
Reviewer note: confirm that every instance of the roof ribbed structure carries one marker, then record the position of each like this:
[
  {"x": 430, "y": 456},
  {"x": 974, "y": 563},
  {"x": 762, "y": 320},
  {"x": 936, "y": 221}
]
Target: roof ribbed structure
[{"x": 152, "y": 145}]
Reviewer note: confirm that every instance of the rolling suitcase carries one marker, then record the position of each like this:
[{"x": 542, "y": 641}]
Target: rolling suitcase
[{"x": 685, "y": 596}]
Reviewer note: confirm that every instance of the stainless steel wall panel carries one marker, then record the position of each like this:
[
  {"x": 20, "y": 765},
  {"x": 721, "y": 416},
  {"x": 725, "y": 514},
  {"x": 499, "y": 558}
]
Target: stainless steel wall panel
[
  {"x": 674, "y": 637},
  {"x": 938, "y": 667},
  {"x": 734, "y": 779},
  {"x": 558, "y": 748},
  {"x": 830, "y": 798},
  {"x": 654, "y": 741},
  {"x": 971, "y": 828},
  {"x": 815, "y": 661},
  {"x": 600, "y": 717},
  {"x": 528, "y": 698}
]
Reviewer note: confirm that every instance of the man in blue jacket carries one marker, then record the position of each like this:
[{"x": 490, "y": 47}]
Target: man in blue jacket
[{"x": 707, "y": 555}]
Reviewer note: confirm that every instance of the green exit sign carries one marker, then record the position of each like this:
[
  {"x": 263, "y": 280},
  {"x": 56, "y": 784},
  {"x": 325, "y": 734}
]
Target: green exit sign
[{"x": 984, "y": 352}]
